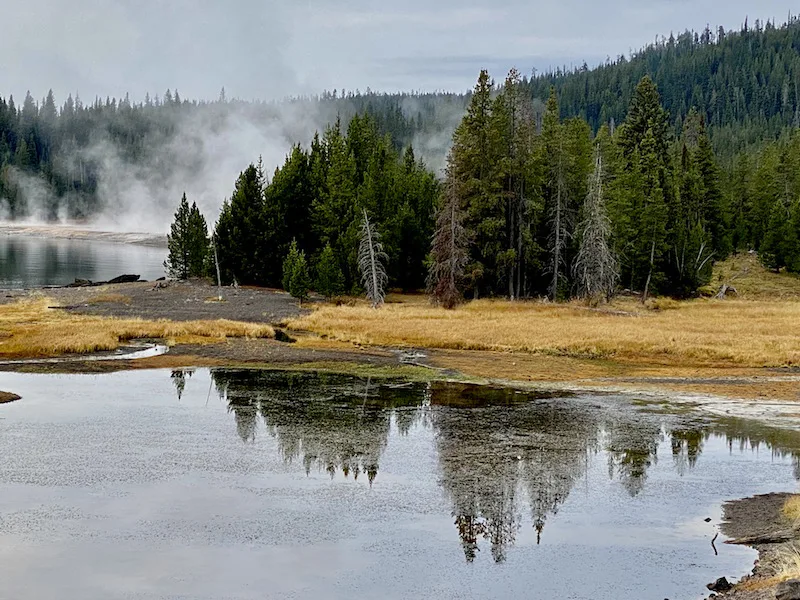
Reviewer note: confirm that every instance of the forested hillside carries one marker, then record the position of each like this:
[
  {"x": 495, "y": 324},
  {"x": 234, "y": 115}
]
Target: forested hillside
[
  {"x": 70, "y": 161},
  {"x": 745, "y": 84}
]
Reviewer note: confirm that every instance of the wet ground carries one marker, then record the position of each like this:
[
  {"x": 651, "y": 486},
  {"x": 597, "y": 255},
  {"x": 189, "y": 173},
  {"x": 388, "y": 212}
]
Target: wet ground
[{"x": 240, "y": 484}]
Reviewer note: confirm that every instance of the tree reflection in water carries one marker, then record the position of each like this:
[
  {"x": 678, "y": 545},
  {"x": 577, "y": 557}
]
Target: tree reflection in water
[
  {"x": 179, "y": 377},
  {"x": 501, "y": 454},
  {"x": 499, "y": 448},
  {"x": 330, "y": 423}
]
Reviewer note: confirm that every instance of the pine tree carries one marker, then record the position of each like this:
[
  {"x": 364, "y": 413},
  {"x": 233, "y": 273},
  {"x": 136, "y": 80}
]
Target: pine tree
[
  {"x": 296, "y": 279},
  {"x": 715, "y": 211},
  {"x": 335, "y": 210},
  {"x": 198, "y": 242},
  {"x": 645, "y": 189},
  {"x": 557, "y": 203},
  {"x": 239, "y": 232},
  {"x": 781, "y": 247},
  {"x": 330, "y": 280},
  {"x": 179, "y": 242},
  {"x": 476, "y": 170}
]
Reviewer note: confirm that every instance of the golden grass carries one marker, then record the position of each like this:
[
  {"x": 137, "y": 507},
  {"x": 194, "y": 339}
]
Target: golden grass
[
  {"x": 754, "y": 282},
  {"x": 109, "y": 298},
  {"x": 787, "y": 563},
  {"x": 31, "y": 329},
  {"x": 701, "y": 332},
  {"x": 791, "y": 509}
]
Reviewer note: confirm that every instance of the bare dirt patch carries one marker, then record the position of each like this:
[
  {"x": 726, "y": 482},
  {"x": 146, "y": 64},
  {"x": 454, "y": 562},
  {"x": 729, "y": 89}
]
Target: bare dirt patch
[{"x": 177, "y": 301}]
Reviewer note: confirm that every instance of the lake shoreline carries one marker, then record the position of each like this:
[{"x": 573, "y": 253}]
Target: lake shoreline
[
  {"x": 678, "y": 377},
  {"x": 760, "y": 523}
]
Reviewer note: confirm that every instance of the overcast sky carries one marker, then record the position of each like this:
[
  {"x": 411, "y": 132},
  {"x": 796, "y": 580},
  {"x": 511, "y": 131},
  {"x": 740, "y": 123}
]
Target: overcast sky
[{"x": 273, "y": 48}]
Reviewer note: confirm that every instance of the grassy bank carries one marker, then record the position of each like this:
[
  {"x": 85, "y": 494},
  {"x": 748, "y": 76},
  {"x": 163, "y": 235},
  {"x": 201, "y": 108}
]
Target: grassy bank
[
  {"x": 759, "y": 328},
  {"x": 702, "y": 332},
  {"x": 32, "y": 329}
]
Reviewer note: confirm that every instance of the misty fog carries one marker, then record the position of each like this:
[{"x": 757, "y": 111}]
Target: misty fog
[{"x": 200, "y": 150}]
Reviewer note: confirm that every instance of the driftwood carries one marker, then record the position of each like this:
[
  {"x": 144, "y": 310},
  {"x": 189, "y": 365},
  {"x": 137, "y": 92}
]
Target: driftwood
[{"x": 725, "y": 291}]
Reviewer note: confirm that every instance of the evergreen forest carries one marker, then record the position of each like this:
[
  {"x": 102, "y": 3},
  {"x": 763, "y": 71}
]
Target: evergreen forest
[{"x": 638, "y": 174}]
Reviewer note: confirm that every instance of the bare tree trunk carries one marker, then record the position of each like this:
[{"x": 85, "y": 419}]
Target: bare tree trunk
[
  {"x": 512, "y": 267},
  {"x": 219, "y": 277},
  {"x": 556, "y": 244},
  {"x": 650, "y": 272}
]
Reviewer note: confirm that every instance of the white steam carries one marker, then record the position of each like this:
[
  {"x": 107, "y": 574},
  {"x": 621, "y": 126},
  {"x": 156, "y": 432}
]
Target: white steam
[
  {"x": 202, "y": 154},
  {"x": 203, "y": 159}
]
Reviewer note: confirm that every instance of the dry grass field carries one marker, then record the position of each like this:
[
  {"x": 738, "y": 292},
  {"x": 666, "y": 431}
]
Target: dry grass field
[
  {"x": 31, "y": 329},
  {"x": 701, "y": 332},
  {"x": 759, "y": 328}
]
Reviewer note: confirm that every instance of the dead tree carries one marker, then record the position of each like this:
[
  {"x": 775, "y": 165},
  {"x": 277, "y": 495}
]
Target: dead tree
[
  {"x": 449, "y": 250},
  {"x": 559, "y": 222},
  {"x": 371, "y": 259},
  {"x": 596, "y": 269}
]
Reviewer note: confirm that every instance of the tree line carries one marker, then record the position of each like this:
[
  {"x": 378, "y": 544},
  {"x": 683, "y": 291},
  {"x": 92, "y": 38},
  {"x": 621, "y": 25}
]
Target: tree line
[
  {"x": 544, "y": 207},
  {"x": 529, "y": 205},
  {"x": 745, "y": 84}
]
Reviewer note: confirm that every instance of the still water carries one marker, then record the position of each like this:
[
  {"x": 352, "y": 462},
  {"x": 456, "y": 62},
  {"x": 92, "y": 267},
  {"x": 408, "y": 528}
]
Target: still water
[
  {"x": 241, "y": 484},
  {"x": 29, "y": 261}
]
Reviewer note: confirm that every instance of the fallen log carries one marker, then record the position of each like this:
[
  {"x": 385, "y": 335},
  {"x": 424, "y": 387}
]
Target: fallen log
[{"x": 124, "y": 279}]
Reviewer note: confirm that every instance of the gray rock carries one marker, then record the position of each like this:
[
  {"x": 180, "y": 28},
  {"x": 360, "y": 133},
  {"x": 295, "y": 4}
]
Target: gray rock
[
  {"x": 720, "y": 585},
  {"x": 788, "y": 590}
]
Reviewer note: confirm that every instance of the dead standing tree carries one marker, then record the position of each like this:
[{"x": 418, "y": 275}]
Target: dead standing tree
[
  {"x": 560, "y": 219},
  {"x": 449, "y": 250},
  {"x": 371, "y": 259},
  {"x": 596, "y": 269}
]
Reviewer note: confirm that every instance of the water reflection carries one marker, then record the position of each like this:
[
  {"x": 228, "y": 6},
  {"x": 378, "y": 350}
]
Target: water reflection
[
  {"x": 506, "y": 460},
  {"x": 179, "y": 377},
  {"x": 330, "y": 423},
  {"x": 27, "y": 261},
  {"x": 510, "y": 450}
]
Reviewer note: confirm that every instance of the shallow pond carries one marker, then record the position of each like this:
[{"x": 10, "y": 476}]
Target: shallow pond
[
  {"x": 29, "y": 261},
  {"x": 237, "y": 484}
]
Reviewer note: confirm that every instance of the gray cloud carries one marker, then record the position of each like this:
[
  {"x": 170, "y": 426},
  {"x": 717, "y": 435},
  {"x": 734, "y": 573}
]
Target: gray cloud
[{"x": 270, "y": 49}]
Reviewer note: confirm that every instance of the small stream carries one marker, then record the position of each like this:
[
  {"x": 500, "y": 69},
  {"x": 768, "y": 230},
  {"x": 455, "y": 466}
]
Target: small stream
[{"x": 258, "y": 484}]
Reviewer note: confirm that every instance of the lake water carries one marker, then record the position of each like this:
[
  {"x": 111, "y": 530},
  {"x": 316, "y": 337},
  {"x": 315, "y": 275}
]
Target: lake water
[
  {"x": 30, "y": 261},
  {"x": 245, "y": 485}
]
